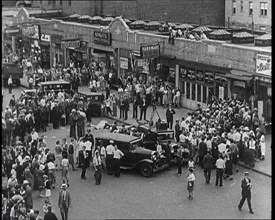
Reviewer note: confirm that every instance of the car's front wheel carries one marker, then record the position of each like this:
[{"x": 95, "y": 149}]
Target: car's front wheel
[{"x": 146, "y": 169}]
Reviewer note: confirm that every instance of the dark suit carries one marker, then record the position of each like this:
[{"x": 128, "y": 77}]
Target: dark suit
[
  {"x": 208, "y": 162},
  {"x": 169, "y": 117},
  {"x": 135, "y": 107},
  {"x": 64, "y": 202},
  {"x": 246, "y": 193},
  {"x": 202, "y": 152},
  {"x": 143, "y": 108},
  {"x": 50, "y": 216}
]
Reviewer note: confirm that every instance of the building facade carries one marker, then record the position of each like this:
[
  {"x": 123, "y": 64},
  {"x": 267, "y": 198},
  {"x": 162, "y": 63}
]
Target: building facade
[
  {"x": 200, "y": 69},
  {"x": 249, "y": 13},
  {"x": 210, "y": 12}
]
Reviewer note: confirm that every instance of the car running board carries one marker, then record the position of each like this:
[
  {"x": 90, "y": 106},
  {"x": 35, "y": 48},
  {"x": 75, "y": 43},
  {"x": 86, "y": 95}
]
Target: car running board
[{"x": 125, "y": 168}]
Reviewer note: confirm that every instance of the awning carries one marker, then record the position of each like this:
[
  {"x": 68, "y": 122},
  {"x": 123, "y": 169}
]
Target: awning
[
  {"x": 203, "y": 66},
  {"x": 168, "y": 57},
  {"x": 238, "y": 75}
]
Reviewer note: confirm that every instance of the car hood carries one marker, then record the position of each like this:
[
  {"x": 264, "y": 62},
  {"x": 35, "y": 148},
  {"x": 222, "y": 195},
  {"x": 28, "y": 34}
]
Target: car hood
[{"x": 141, "y": 150}]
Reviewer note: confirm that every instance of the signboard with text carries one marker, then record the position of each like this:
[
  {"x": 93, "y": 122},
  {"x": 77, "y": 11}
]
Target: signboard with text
[
  {"x": 149, "y": 51},
  {"x": 103, "y": 38},
  {"x": 45, "y": 37},
  {"x": 12, "y": 30},
  {"x": 73, "y": 44},
  {"x": 32, "y": 31},
  {"x": 263, "y": 64},
  {"x": 123, "y": 63}
]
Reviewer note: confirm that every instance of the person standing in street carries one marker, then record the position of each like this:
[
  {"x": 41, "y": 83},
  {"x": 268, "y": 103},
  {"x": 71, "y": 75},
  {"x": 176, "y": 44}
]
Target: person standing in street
[
  {"x": 246, "y": 192},
  {"x": 10, "y": 84},
  {"x": 71, "y": 154},
  {"x": 117, "y": 155},
  {"x": 50, "y": 215},
  {"x": 64, "y": 201},
  {"x": 190, "y": 183},
  {"x": 169, "y": 116},
  {"x": 109, "y": 157},
  {"x": 65, "y": 170},
  {"x": 177, "y": 131},
  {"x": 208, "y": 162},
  {"x": 85, "y": 164},
  {"x": 220, "y": 165},
  {"x": 143, "y": 108},
  {"x": 97, "y": 165},
  {"x": 179, "y": 159}
]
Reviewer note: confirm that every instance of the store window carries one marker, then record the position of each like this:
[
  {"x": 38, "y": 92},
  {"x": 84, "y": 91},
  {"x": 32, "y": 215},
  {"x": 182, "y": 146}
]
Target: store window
[
  {"x": 234, "y": 7},
  {"x": 204, "y": 94},
  {"x": 250, "y": 8},
  {"x": 199, "y": 93},
  {"x": 193, "y": 91},
  {"x": 263, "y": 8},
  {"x": 187, "y": 90}
]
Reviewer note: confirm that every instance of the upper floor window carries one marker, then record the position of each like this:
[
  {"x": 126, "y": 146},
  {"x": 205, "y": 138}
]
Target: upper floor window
[
  {"x": 234, "y": 7},
  {"x": 263, "y": 8},
  {"x": 241, "y": 8},
  {"x": 60, "y": 2},
  {"x": 70, "y": 2},
  {"x": 250, "y": 8}
]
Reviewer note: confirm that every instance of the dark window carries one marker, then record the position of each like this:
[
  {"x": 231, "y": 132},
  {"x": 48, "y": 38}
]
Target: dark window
[
  {"x": 70, "y": 2},
  {"x": 241, "y": 8},
  {"x": 60, "y": 2},
  {"x": 187, "y": 90},
  {"x": 199, "y": 93},
  {"x": 204, "y": 95},
  {"x": 183, "y": 88},
  {"x": 193, "y": 91},
  {"x": 40, "y": 1},
  {"x": 251, "y": 8},
  {"x": 234, "y": 7},
  {"x": 263, "y": 8}
]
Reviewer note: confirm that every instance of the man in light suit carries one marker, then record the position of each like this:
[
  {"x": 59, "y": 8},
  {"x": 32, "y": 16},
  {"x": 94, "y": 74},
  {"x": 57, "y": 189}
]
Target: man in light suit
[{"x": 64, "y": 201}]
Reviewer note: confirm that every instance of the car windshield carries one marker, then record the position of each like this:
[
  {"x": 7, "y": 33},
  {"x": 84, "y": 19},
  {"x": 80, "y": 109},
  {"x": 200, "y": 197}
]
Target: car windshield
[
  {"x": 165, "y": 136},
  {"x": 135, "y": 145}
]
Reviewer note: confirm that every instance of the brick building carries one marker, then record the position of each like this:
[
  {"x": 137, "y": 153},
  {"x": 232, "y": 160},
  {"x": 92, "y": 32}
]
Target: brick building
[
  {"x": 200, "y": 69},
  {"x": 210, "y": 12},
  {"x": 244, "y": 13}
]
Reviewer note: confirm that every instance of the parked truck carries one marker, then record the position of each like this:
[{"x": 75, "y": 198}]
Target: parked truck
[{"x": 15, "y": 70}]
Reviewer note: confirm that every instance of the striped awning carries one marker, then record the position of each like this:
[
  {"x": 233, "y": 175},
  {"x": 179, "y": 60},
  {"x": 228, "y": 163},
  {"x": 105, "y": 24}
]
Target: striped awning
[
  {"x": 202, "y": 29},
  {"x": 74, "y": 16},
  {"x": 242, "y": 35},
  {"x": 184, "y": 26},
  {"x": 85, "y": 17},
  {"x": 220, "y": 32},
  {"x": 107, "y": 19},
  {"x": 96, "y": 18},
  {"x": 138, "y": 22},
  {"x": 153, "y": 23},
  {"x": 264, "y": 37}
]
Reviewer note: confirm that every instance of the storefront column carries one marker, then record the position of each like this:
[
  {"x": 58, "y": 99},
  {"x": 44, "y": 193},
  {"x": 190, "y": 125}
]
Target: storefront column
[
  {"x": 65, "y": 57},
  {"x": 118, "y": 61},
  {"x": 13, "y": 47},
  {"x": 177, "y": 78}
]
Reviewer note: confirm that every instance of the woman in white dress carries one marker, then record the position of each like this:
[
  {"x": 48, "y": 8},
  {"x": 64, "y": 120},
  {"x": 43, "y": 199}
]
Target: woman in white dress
[{"x": 263, "y": 146}]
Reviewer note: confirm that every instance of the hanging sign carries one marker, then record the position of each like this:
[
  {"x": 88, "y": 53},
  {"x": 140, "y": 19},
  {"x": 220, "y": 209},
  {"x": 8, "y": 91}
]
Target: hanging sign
[
  {"x": 123, "y": 63},
  {"x": 221, "y": 92},
  {"x": 103, "y": 38},
  {"x": 32, "y": 31},
  {"x": 73, "y": 44},
  {"x": 45, "y": 37},
  {"x": 263, "y": 64},
  {"x": 150, "y": 51}
]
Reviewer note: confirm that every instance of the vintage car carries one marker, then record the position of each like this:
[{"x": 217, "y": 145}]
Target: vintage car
[
  {"x": 55, "y": 86},
  {"x": 96, "y": 98},
  {"x": 135, "y": 156},
  {"x": 153, "y": 135}
]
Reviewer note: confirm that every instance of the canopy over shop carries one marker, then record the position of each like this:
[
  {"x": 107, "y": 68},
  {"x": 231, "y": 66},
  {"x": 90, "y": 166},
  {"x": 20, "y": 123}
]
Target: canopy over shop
[
  {"x": 242, "y": 38},
  {"x": 264, "y": 40}
]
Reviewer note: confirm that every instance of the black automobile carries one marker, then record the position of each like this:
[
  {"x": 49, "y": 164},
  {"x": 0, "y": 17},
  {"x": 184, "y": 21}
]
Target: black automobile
[
  {"x": 96, "y": 98},
  {"x": 135, "y": 156}
]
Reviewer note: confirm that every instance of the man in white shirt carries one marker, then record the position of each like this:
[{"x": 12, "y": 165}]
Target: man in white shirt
[
  {"x": 10, "y": 84},
  {"x": 34, "y": 136},
  {"x": 220, "y": 164},
  {"x": 103, "y": 156},
  {"x": 109, "y": 157},
  {"x": 117, "y": 155}
]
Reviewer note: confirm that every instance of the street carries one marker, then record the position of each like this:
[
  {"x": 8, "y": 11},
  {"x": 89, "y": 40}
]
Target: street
[{"x": 164, "y": 195}]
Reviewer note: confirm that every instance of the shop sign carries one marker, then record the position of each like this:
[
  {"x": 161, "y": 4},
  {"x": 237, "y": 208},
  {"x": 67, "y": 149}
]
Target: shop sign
[
  {"x": 45, "y": 37},
  {"x": 12, "y": 30},
  {"x": 103, "y": 38},
  {"x": 123, "y": 63},
  {"x": 149, "y": 51},
  {"x": 56, "y": 39},
  {"x": 143, "y": 65},
  {"x": 263, "y": 64},
  {"x": 73, "y": 44},
  {"x": 221, "y": 92},
  {"x": 32, "y": 31}
]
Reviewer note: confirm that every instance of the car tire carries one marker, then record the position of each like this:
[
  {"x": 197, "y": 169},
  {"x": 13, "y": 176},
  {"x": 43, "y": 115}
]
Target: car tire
[{"x": 146, "y": 169}]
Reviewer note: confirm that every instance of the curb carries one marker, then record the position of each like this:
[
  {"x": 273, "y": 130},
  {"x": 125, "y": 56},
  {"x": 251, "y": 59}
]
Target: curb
[{"x": 255, "y": 170}]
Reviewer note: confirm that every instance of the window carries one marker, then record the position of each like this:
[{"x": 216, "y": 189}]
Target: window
[
  {"x": 187, "y": 90},
  {"x": 251, "y": 8},
  {"x": 241, "y": 8},
  {"x": 234, "y": 7},
  {"x": 263, "y": 8},
  {"x": 204, "y": 95},
  {"x": 193, "y": 91},
  {"x": 70, "y": 2},
  {"x": 40, "y": 1},
  {"x": 60, "y": 2}
]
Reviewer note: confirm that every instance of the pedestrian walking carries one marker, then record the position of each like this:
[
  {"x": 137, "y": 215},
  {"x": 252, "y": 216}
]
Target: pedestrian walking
[
  {"x": 190, "y": 183},
  {"x": 47, "y": 186},
  {"x": 220, "y": 166},
  {"x": 169, "y": 116},
  {"x": 10, "y": 84},
  {"x": 246, "y": 192},
  {"x": 179, "y": 159},
  {"x": 97, "y": 165},
  {"x": 64, "y": 201},
  {"x": 103, "y": 156},
  {"x": 208, "y": 162},
  {"x": 50, "y": 215},
  {"x": 71, "y": 154},
  {"x": 177, "y": 131},
  {"x": 109, "y": 157},
  {"x": 65, "y": 170},
  {"x": 117, "y": 155}
]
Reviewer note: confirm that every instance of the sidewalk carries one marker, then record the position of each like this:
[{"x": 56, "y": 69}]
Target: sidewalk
[{"x": 262, "y": 166}]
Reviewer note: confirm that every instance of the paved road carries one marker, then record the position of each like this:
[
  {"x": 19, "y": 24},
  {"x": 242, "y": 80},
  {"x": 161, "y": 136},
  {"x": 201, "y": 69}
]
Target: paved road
[{"x": 164, "y": 195}]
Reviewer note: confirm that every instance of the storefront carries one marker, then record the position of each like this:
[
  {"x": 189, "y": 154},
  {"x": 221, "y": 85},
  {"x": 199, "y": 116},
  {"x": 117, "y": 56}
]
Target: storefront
[
  {"x": 30, "y": 40},
  {"x": 165, "y": 68},
  {"x": 199, "y": 83},
  {"x": 11, "y": 38},
  {"x": 45, "y": 46},
  {"x": 76, "y": 50},
  {"x": 57, "y": 53}
]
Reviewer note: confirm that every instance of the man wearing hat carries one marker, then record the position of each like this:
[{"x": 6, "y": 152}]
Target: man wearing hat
[
  {"x": 28, "y": 195},
  {"x": 246, "y": 192},
  {"x": 169, "y": 116},
  {"x": 109, "y": 157},
  {"x": 72, "y": 121},
  {"x": 64, "y": 201}
]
